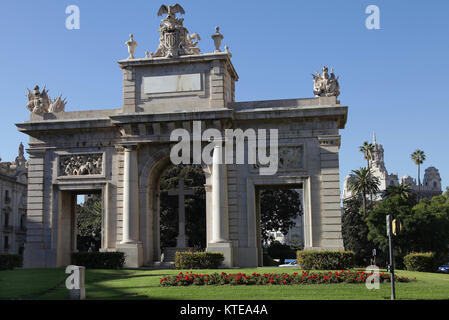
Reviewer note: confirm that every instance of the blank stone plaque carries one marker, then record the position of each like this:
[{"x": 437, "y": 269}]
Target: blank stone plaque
[{"x": 172, "y": 83}]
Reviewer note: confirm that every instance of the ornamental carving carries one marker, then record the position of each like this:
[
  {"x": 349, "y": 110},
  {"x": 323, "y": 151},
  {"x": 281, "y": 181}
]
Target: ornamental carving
[
  {"x": 174, "y": 40},
  {"x": 40, "y": 102},
  {"x": 290, "y": 157},
  {"x": 79, "y": 165},
  {"x": 325, "y": 85}
]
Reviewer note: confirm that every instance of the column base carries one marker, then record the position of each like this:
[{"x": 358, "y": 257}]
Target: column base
[
  {"x": 36, "y": 257},
  {"x": 225, "y": 248},
  {"x": 133, "y": 254}
]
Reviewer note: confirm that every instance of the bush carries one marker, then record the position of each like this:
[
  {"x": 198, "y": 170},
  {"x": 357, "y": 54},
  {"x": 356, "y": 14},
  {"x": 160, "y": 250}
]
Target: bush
[
  {"x": 10, "y": 261},
  {"x": 198, "y": 260},
  {"x": 280, "y": 251},
  {"x": 99, "y": 260},
  {"x": 424, "y": 261},
  {"x": 325, "y": 260}
]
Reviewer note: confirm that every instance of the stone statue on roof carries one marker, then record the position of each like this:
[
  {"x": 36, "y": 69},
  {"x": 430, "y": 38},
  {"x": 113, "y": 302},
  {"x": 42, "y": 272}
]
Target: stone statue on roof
[
  {"x": 174, "y": 40},
  {"x": 325, "y": 85},
  {"x": 40, "y": 102}
]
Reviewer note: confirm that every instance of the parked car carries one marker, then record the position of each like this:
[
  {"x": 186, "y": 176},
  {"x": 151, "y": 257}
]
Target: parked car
[
  {"x": 444, "y": 268},
  {"x": 289, "y": 264}
]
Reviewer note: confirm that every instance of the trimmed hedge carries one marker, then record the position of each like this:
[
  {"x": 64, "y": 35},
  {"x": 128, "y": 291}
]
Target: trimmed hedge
[
  {"x": 10, "y": 261},
  {"x": 198, "y": 260},
  {"x": 99, "y": 260},
  {"x": 325, "y": 259},
  {"x": 420, "y": 261}
]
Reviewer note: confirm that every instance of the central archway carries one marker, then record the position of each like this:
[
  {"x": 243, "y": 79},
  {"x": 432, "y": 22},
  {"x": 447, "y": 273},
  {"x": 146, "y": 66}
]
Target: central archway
[{"x": 149, "y": 202}]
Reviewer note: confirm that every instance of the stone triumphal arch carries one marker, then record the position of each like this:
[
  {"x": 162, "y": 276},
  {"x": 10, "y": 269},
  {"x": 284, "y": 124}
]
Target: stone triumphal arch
[{"x": 120, "y": 154}]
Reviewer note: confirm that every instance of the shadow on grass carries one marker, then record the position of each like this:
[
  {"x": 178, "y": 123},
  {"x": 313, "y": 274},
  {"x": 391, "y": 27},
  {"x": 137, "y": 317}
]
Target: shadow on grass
[{"x": 49, "y": 284}]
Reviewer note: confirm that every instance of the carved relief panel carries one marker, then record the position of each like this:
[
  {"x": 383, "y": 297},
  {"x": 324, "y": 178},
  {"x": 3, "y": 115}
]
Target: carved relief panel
[
  {"x": 289, "y": 158},
  {"x": 81, "y": 164}
]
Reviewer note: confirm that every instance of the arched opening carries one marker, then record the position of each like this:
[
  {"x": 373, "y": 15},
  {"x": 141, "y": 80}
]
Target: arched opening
[
  {"x": 151, "y": 175},
  {"x": 182, "y": 210}
]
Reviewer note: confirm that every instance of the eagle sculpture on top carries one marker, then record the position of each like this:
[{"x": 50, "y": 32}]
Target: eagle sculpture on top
[
  {"x": 170, "y": 10},
  {"x": 174, "y": 40}
]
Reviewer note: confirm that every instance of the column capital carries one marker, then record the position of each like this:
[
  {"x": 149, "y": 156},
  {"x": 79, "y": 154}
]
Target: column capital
[{"x": 127, "y": 147}]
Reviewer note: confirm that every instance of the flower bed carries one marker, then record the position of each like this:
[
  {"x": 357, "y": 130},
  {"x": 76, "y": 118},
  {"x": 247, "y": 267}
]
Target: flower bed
[{"x": 304, "y": 277}]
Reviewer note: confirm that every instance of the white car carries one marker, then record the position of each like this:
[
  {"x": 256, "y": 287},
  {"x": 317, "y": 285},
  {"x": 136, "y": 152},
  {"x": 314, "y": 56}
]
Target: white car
[{"x": 291, "y": 264}]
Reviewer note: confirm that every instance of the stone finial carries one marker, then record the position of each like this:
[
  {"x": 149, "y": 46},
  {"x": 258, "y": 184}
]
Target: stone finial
[
  {"x": 227, "y": 51},
  {"x": 147, "y": 55},
  {"x": 174, "y": 40},
  {"x": 131, "y": 46},
  {"x": 217, "y": 37},
  {"x": 325, "y": 85}
]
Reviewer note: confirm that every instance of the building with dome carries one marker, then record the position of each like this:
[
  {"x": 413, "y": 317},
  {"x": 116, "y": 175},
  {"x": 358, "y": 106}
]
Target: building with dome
[{"x": 430, "y": 186}]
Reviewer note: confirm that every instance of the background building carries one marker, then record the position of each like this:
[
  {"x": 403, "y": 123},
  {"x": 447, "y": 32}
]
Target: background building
[
  {"x": 13, "y": 204},
  {"x": 430, "y": 186}
]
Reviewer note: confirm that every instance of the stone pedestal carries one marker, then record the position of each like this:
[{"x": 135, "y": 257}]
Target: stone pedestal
[
  {"x": 170, "y": 253},
  {"x": 133, "y": 254},
  {"x": 226, "y": 249}
]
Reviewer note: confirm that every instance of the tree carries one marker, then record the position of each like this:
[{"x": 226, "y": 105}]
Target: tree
[
  {"x": 355, "y": 231},
  {"x": 363, "y": 182},
  {"x": 403, "y": 190},
  {"x": 425, "y": 226},
  {"x": 398, "y": 208},
  {"x": 427, "y": 229},
  {"x": 418, "y": 158},
  {"x": 367, "y": 150},
  {"x": 278, "y": 208},
  {"x": 88, "y": 224}
]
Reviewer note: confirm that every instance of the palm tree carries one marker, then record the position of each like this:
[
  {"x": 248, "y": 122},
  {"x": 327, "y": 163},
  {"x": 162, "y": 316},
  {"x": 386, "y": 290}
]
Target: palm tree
[
  {"x": 418, "y": 158},
  {"x": 364, "y": 182},
  {"x": 403, "y": 190},
  {"x": 367, "y": 149}
]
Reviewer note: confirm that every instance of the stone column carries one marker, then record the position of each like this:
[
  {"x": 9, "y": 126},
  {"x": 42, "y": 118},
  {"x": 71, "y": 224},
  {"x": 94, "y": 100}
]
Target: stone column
[
  {"x": 130, "y": 194},
  {"x": 218, "y": 190},
  {"x": 219, "y": 239},
  {"x": 130, "y": 243}
]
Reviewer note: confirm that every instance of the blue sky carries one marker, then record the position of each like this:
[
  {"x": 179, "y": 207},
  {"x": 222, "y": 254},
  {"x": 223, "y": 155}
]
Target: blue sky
[{"x": 394, "y": 80}]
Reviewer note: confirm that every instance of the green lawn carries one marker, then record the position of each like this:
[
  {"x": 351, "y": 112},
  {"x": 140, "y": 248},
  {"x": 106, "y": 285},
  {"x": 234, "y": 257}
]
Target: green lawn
[{"x": 144, "y": 284}]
